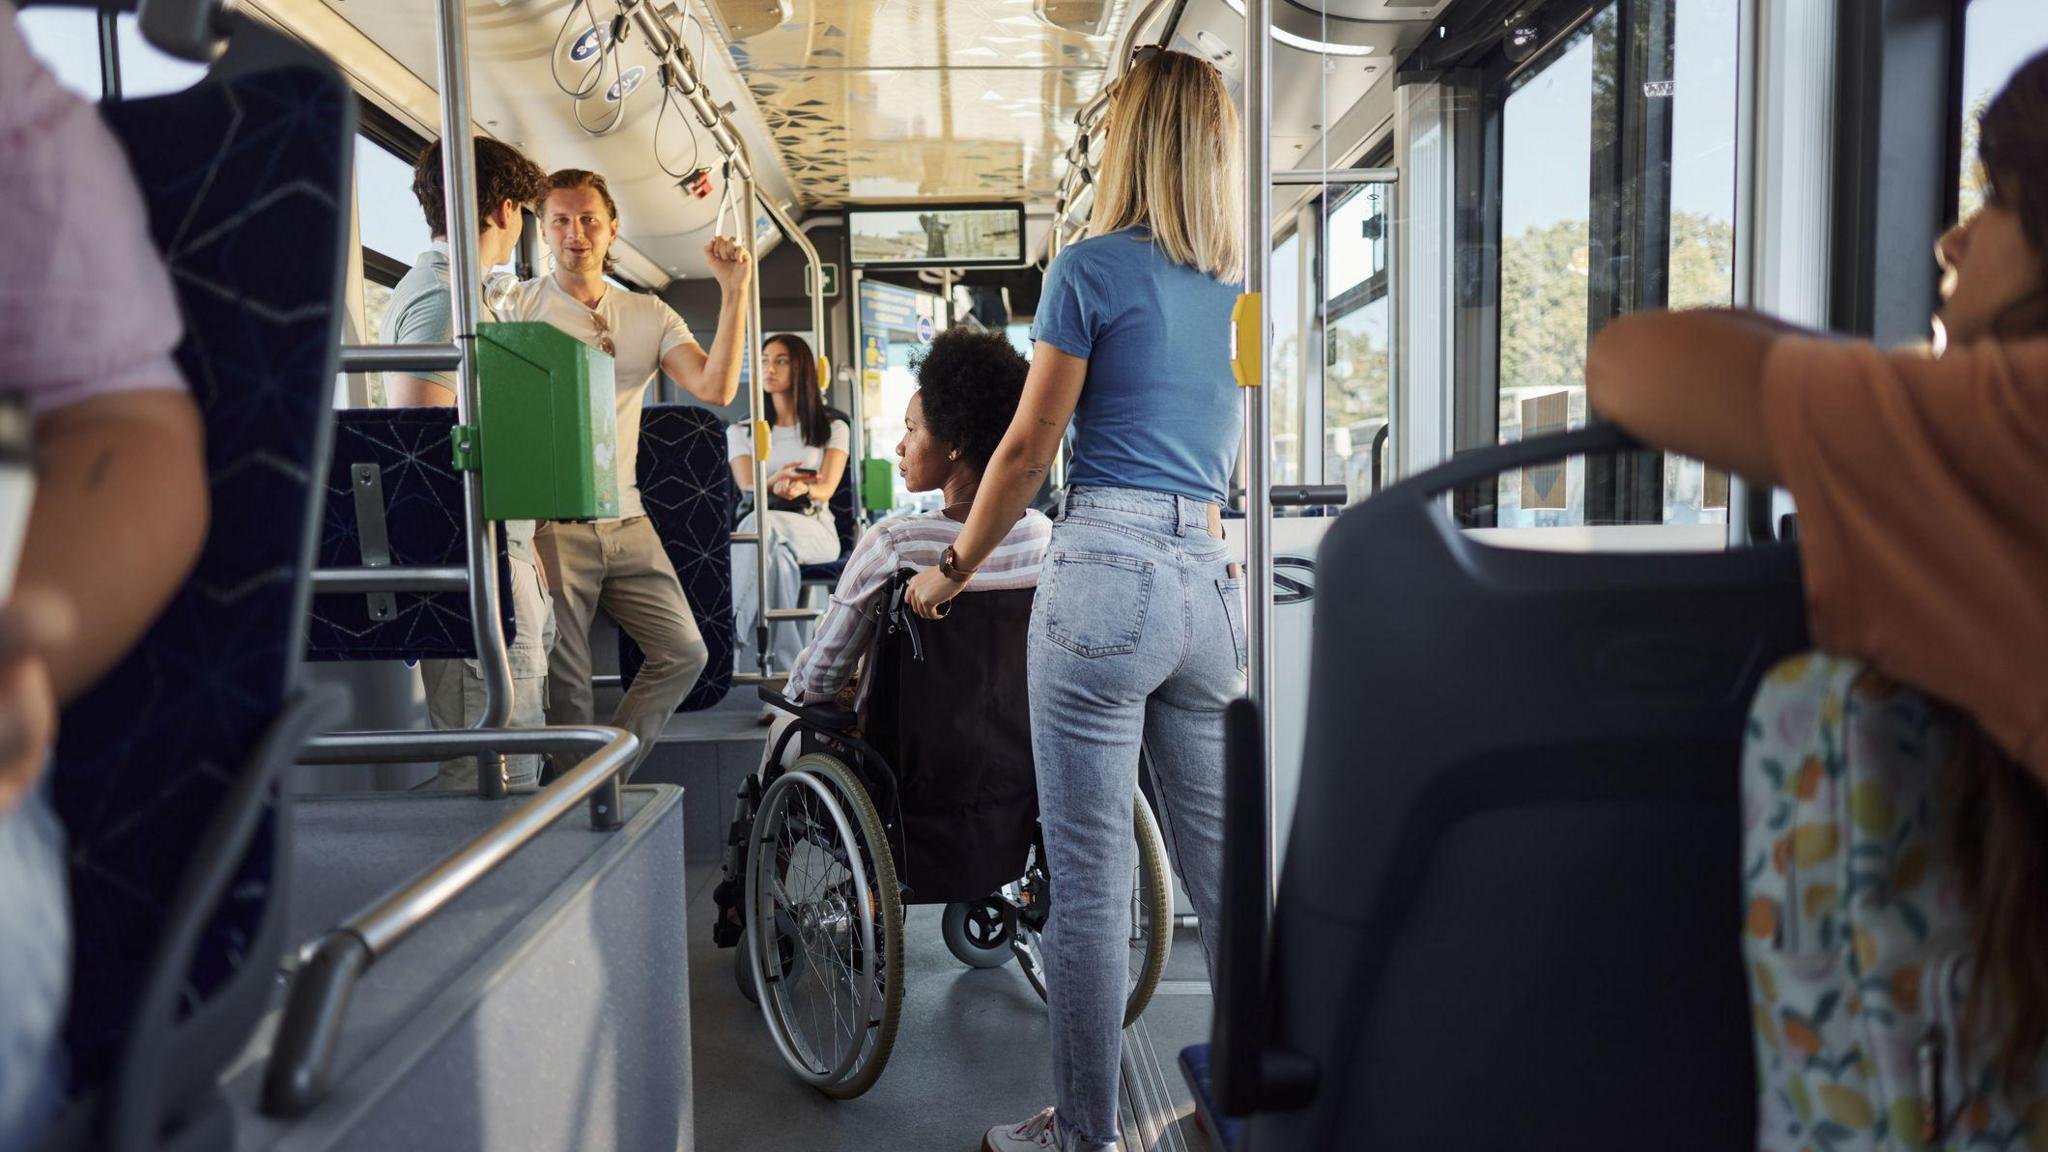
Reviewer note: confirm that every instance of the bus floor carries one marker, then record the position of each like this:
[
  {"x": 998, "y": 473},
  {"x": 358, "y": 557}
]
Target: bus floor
[{"x": 971, "y": 1051}]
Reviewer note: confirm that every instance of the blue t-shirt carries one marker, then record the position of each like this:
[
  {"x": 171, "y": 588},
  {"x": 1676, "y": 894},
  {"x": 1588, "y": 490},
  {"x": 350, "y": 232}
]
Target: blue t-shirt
[{"x": 1159, "y": 410}]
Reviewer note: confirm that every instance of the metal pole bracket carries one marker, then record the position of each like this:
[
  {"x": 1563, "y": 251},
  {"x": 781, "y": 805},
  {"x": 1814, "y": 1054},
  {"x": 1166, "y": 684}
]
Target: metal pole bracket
[
  {"x": 366, "y": 481},
  {"x": 467, "y": 442}
]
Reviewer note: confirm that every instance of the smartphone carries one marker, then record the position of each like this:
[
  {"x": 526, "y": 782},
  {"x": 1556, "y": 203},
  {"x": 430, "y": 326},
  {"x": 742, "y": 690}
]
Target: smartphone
[
  {"x": 804, "y": 473},
  {"x": 17, "y": 487}
]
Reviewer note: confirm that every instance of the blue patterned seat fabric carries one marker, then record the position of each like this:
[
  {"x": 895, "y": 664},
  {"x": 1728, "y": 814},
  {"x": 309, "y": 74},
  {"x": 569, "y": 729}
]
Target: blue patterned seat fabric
[
  {"x": 242, "y": 179},
  {"x": 422, "y": 517},
  {"x": 688, "y": 490}
]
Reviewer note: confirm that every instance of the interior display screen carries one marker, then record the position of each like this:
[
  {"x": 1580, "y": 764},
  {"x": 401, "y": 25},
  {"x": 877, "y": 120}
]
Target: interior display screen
[{"x": 939, "y": 234}]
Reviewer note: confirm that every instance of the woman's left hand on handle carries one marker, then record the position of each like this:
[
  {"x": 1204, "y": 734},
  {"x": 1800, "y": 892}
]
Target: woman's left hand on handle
[{"x": 929, "y": 591}]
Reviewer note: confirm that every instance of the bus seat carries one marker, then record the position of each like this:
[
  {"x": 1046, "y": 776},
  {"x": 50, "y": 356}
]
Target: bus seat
[
  {"x": 688, "y": 490},
  {"x": 168, "y": 773},
  {"x": 1510, "y": 911},
  {"x": 423, "y": 524}
]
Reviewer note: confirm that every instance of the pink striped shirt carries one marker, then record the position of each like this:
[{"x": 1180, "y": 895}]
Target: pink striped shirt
[
  {"x": 86, "y": 307},
  {"x": 916, "y": 541}
]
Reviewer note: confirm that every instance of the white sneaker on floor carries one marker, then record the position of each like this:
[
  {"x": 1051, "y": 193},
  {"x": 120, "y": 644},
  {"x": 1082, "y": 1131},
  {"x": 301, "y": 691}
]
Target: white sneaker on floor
[{"x": 1037, "y": 1134}]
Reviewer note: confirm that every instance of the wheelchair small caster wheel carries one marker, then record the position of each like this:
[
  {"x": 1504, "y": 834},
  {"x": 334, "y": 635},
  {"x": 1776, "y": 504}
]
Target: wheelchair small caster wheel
[{"x": 979, "y": 934}]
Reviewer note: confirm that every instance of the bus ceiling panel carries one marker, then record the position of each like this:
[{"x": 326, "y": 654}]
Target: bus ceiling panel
[
  {"x": 1336, "y": 85},
  {"x": 521, "y": 55},
  {"x": 924, "y": 99}
]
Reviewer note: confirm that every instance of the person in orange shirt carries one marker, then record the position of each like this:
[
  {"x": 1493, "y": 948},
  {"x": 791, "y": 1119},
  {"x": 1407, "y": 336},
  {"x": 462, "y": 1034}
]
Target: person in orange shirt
[{"x": 1921, "y": 480}]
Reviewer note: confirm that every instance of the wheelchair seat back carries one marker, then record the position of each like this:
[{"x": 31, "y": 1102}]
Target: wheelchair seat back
[{"x": 948, "y": 710}]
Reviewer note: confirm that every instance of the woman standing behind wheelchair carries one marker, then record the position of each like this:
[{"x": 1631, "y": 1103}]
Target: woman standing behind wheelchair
[
  {"x": 806, "y": 461},
  {"x": 1137, "y": 636}
]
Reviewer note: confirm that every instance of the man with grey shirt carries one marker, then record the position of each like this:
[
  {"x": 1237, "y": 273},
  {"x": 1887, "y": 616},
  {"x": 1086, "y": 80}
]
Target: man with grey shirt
[{"x": 421, "y": 311}]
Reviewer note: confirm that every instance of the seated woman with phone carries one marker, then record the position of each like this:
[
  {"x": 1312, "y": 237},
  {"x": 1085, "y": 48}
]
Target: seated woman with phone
[{"x": 806, "y": 462}]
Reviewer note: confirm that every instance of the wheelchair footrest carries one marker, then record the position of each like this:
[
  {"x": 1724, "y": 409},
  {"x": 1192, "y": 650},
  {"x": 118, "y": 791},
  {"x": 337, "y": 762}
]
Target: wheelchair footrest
[{"x": 1224, "y": 1133}]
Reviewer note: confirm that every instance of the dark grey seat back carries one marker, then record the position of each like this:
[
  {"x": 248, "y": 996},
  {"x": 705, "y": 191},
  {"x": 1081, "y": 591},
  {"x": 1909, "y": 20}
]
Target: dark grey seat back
[{"x": 1509, "y": 914}]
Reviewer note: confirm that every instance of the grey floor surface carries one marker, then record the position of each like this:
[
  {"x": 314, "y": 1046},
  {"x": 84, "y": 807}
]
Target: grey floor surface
[{"x": 972, "y": 1049}]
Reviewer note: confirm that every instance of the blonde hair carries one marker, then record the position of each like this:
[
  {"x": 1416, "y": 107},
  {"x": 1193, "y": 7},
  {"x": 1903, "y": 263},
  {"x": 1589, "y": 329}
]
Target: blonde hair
[{"x": 1173, "y": 163}]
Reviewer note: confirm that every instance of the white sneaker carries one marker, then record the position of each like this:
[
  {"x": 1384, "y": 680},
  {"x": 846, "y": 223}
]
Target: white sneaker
[{"x": 1034, "y": 1135}]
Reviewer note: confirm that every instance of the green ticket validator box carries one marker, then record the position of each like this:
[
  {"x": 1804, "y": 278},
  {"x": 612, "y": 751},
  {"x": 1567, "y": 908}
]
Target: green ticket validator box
[
  {"x": 877, "y": 485},
  {"x": 547, "y": 441}
]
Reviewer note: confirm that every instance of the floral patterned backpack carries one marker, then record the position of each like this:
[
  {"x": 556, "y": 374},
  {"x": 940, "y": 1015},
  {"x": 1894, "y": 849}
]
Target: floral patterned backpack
[{"x": 1855, "y": 936}]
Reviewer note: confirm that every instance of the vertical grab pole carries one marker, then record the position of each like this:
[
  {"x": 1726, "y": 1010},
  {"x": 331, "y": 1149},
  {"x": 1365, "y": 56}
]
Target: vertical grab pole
[
  {"x": 458, "y": 176},
  {"x": 1258, "y": 208},
  {"x": 757, "y": 401},
  {"x": 857, "y": 359}
]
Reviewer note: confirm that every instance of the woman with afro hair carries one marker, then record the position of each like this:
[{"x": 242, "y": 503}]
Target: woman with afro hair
[{"x": 968, "y": 385}]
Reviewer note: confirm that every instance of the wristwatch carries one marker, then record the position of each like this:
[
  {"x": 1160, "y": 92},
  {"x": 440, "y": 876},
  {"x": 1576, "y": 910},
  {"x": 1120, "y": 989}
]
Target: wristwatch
[{"x": 949, "y": 567}]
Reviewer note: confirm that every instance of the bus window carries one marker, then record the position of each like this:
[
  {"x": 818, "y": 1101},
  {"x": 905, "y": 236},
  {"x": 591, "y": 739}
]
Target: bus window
[
  {"x": 145, "y": 69},
  {"x": 1998, "y": 36},
  {"x": 1284, "y": 397},
  {"x": 388, "y": 216},
  {"x": 1647, "y": 90},
  {"x": 1702, "y": 243},
  {"x": 67, "y": 41},
  {"x": 1357, "y": 356},
  {"x": 1545, "y": 268}
]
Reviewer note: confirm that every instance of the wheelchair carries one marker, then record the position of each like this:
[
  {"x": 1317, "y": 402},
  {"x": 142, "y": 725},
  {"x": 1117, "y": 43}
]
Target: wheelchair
[{"x": 925, "y": 796}]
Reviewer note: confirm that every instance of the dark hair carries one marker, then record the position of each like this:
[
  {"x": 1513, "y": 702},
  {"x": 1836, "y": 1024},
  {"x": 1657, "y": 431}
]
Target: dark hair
[
  {"x": 2012, "y": 147},
  {"x": 971, "y": 382},
  {"x": 2012, "y": 150},
  {"x": 1998, "y": 827},
  {"x": 563, "y": 179},
  {"x": 502, "y": 173},
  {"x": 812, "y": 417}
]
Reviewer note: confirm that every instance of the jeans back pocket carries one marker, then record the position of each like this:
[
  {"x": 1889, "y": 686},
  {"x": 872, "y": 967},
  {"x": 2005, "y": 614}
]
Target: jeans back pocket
[
  {"x": 1232, "y": 591},
  {"x": 1096, "y": 603}
]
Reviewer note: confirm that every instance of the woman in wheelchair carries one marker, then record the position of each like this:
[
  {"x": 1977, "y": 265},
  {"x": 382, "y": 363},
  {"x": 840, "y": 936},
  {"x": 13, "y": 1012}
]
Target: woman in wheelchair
[
  {"x": 968, "y": 385},
  {"x": 932, "y": 800}
]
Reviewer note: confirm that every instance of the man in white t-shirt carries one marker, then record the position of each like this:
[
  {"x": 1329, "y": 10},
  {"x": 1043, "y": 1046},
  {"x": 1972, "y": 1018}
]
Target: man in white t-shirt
[{"x": 619, "y": 564}]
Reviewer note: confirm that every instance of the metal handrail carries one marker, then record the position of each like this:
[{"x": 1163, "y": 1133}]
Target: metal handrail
[
  {"x": 401, "y": 357},
  {"x": 301, "y": 1068},
  {"x": 1297, "y": 177},
  {"x": 342, "y": 581}
]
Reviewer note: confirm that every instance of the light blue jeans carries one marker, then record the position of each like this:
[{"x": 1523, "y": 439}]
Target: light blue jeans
[
  {"x": 35, "y": 968},
  {"x": 1137, "y": 638}
]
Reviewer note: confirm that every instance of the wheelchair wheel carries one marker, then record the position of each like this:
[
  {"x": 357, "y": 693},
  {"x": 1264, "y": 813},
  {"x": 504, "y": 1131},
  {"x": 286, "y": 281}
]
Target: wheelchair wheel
[
  {"x": 1151, "y": 915},
  {"x": 979, "y": 934},
  {"x": 825, "y": 927}
]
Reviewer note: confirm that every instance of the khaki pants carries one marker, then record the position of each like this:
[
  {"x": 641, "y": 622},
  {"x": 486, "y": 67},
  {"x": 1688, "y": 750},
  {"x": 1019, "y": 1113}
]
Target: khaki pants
[
  {"x": 455, "y": 688},
  {"x": 619, "y": 566}
]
